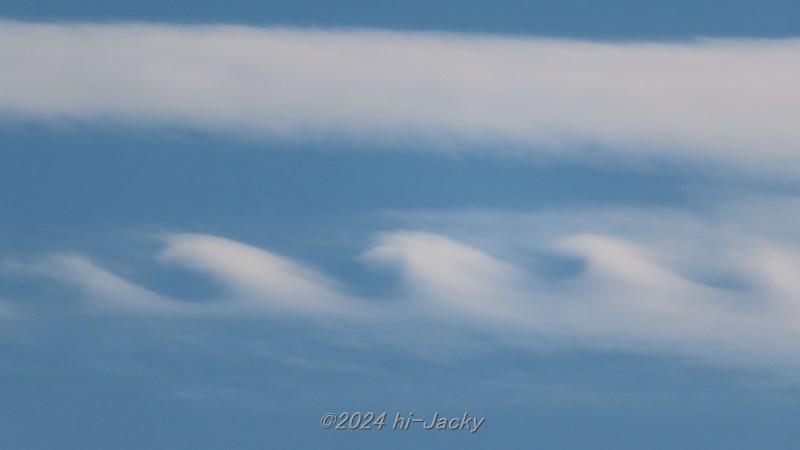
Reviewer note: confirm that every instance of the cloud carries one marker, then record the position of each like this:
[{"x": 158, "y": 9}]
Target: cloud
[
  {"x": 448, "y": 277},
  {"x": 731, "y": 102},
  {"x": 717, "y": 286},
  {"x": 261, "y": 280},
  {"x": 107, "y": 291},
  {"x": 255, "y": 282},
  {"x": 627, "y": 297},
  {"x": 717, "y": 283}
]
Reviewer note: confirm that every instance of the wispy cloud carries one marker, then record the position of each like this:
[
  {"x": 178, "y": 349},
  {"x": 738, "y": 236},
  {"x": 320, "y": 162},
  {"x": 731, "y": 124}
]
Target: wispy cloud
[
  {"x": 260, "y": 280},
  {"x": 732, "y": 101},
  {"x": 728, "y": 294},
  {"x": 106, "y": 290}
]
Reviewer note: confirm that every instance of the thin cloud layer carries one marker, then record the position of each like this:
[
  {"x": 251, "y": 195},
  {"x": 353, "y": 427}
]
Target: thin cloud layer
[
  {"x": 635, "y": 293},
  {"x": 731, "y": 102}
]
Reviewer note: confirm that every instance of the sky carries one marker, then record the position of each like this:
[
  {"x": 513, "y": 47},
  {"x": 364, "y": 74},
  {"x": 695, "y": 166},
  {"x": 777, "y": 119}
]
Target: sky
[{"x": 221, "y": 221}]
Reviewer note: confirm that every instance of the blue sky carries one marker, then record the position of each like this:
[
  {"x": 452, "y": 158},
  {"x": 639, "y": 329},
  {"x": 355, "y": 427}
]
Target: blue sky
[{"x": 221, "y": 221}]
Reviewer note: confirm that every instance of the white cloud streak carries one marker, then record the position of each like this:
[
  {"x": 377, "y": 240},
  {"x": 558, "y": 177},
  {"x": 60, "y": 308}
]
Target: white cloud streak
[{"x": 733, "y": 102}]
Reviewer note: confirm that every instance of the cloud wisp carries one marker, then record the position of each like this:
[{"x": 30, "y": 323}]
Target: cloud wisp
[
  {"x": 639, "y": 293},
  {"x": 731, "y": 102}
]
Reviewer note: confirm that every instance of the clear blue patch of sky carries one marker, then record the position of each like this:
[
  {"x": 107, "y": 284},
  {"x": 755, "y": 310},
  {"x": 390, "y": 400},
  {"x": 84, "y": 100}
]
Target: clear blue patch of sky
[
  {"x": 52, "y": 181},
  {"x": 100, "y": 383},
  {"x": 603, "y": 19}
]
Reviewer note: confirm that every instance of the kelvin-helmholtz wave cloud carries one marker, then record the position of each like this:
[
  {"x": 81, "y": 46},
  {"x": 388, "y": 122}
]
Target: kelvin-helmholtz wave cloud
[
  {"x": 731, "y": 101},
  {"x": 722, "y": 286}
]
